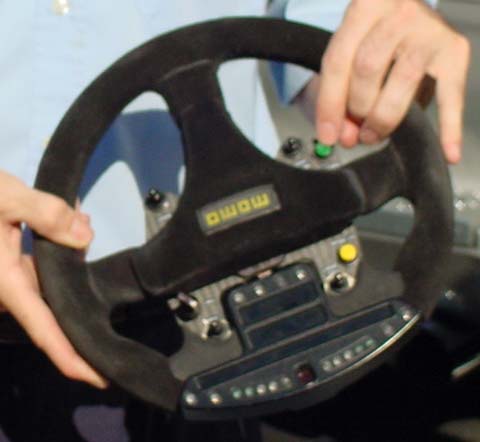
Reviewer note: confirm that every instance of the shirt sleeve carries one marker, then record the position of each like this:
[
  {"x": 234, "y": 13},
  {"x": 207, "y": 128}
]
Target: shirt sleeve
[{"x": 327, "y": 14}]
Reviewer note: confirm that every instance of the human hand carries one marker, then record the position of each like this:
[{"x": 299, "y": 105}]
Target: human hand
[
  {"x": 374, "y": 65},
  {"x": 20, "y": 295}
]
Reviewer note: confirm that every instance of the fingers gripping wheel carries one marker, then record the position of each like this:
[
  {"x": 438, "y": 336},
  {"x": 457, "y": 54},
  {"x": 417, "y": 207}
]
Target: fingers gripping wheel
[{"x": 192, "y": 250}]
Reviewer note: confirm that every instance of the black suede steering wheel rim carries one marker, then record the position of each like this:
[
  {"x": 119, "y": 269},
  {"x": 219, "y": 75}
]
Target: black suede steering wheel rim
[{"x": 178, "y": 65}]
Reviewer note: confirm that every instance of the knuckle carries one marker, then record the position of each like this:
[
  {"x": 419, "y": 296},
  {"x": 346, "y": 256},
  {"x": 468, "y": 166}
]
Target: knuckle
[
  {"x": 12, "y": 197},
  {"x": 382, "y": 122},
  {"x": 333, "y": 61},
  {"x": 358, "y": 107},
  {"x": 463, "y": 46},
  {"x": 408, "y": 10},
  {"x": 412, "y": 69},
  {"x": 55, "y": 214},
  {"x": 366, "y": 63}
]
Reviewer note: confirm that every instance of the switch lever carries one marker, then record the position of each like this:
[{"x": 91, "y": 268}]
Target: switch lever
[{"x": 187, "y": 307}]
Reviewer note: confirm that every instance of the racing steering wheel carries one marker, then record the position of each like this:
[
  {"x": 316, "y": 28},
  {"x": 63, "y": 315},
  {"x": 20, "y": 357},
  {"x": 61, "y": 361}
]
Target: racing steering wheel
[{"x": 240, "y": 208}]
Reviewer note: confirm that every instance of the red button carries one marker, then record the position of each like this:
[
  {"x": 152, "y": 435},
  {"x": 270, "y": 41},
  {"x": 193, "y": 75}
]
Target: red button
[{"x": 306, "y": 374}]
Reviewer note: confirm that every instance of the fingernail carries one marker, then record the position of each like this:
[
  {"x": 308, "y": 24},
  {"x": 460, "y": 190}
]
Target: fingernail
[
  {"x": 453, "y": 152},
  {"x": 80, "y": 229},
  {"x": 100, "y": 382},
  {"x": 348, "y": 137},
  {"x": 368, "y": 136},
  {"x": 91, "y": 376},
  {"x": 327, "y": 133}
]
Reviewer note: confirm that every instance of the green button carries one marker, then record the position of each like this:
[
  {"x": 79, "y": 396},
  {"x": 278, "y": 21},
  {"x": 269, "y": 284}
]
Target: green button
[{"x": 322, "y": 150}]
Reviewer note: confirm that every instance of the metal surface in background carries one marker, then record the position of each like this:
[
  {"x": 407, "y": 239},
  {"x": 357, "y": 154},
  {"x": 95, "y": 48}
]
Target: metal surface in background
[
  {"x": 396, "y": 218},
  {"x": 464, "y": 15}
]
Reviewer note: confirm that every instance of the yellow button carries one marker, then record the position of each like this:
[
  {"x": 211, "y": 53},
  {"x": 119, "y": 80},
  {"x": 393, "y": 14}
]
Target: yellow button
[{"x": 348, "y": 252}]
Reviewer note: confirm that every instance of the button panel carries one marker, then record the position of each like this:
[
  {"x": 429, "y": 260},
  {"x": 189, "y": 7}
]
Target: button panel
[
  {"x": 278, "y": 384},
  {"x": 278, "y": 307},
  {"x": 348, "y": 355},
  {"x": 262, "y": 378}
]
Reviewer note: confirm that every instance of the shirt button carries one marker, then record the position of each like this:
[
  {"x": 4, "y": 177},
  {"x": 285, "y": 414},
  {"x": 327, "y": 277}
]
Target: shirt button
[{"x": 61, "y": 7}]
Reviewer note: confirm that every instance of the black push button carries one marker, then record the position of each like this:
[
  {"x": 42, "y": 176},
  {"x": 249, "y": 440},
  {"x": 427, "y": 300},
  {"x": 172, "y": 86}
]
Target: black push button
[
  {"x": 340, "y": 282},
  {"x": 188, "y": 307},
  {"x": 215, "y": 328},
  {"x": 291, "y": 146},
  {"x": 154, "y": 199}
]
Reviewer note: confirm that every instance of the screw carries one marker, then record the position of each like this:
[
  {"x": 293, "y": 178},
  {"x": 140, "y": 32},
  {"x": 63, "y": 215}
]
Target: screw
[
  {"x": 238, "y": 297},
  {"x": 259, "y": 290},
  {"x": 301, "y": 274},
  {"x": 407, "y": 315}
]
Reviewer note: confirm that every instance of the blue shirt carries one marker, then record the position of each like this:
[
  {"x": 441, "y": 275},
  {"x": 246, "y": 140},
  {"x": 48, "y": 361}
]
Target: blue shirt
[{"x": 50, "y": 50}]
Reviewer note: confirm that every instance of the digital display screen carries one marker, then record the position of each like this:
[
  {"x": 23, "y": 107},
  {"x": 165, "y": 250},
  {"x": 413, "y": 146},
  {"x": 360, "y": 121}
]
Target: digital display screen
[
  {"x": 286, "y": 327},
  {"x": 278, "y": 303}
]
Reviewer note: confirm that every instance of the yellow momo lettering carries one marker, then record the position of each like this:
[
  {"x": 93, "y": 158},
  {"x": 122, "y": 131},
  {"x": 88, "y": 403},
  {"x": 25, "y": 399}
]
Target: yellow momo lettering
[
  {"x": 232, "y": 211},
  {"x": 212, "y": 219},
  {"x": 228, "y": 212},
  {"x": 260, "y": 201},
  {"x": 238, "y": 208},
  {"x": 244, "y": 206}
]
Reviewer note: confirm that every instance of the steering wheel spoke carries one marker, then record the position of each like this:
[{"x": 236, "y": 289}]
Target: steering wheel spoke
[
  {"x": 381, "y": 176},
  {"x": 124, "y": 288}
]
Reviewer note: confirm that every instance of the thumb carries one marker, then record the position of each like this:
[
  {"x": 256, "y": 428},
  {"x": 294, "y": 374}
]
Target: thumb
[{"x": 53, "y": 218}]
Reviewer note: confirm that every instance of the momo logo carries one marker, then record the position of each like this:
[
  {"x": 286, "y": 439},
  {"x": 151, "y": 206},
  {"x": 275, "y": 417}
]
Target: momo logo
[{"x": 238, "y": 208}]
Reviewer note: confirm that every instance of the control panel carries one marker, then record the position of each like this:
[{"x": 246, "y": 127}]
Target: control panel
[
  {"x": 272, "y": 337},
  {"x": 311, "y": 353},
  {"x": 310, "y": 154}
]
